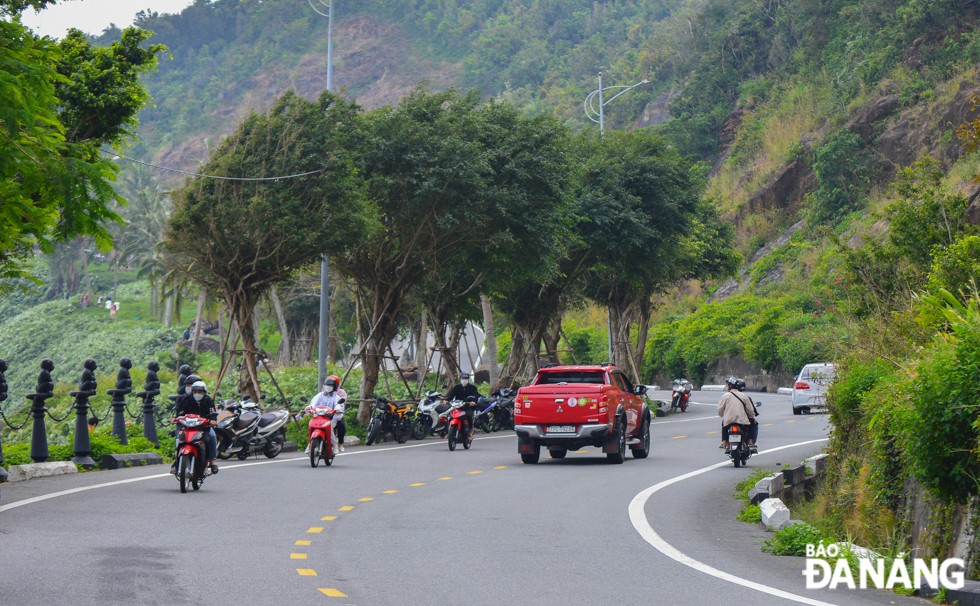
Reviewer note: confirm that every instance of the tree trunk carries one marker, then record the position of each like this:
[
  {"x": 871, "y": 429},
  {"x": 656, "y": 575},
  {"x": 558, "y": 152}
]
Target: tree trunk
[
  {"x": 516, "y": 356},
  {"x": 168, "y": 318},
  {"x": 387, "y": 304},
  {"x": 422, "y": 345},
  {"x": 643, "y": 333},
  {"x": 248, "y": 381},
  {"x": 197, "y": 322},
  {"x": 283, "y": 328},
  {"x": 491, "y": 339},
  {"x": 88, "y": 277},
  {"x": 255, "y": 326}
]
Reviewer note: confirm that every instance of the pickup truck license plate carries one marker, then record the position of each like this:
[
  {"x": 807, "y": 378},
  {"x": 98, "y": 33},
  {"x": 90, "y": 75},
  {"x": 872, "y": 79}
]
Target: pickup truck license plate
[
  {"x": 561, "y": 429},
  {"x": 735, "y": 439}
]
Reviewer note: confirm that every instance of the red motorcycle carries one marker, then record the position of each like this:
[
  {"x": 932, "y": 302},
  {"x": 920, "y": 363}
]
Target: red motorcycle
[
  {"x": 681, "y": 395},
  {"x": 192, "y": 460},
  {"x": 321, "y": 435},
  {"x": 459, "y": 426}
]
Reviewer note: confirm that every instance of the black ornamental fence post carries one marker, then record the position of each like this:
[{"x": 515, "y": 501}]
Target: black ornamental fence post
[
  {"x": 184, "y": 371},
  {"x": 124, "y": 385},
  {"x": 87, "y": 387},
  {"x": 42, "y": 391},
  {"x": 151, "y": 389},
  {"x": 3, "y": 395}
]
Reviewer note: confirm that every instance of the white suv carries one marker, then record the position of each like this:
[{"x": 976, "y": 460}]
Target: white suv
[{"x": 811, "y": 386}]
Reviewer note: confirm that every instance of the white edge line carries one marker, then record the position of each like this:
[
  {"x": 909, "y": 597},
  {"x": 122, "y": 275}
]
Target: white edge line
[
  {"x": 642, "y": 525},
  {"x": 63, "y": 493}
]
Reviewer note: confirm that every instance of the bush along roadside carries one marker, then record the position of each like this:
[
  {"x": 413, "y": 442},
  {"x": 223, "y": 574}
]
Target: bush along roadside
[{"x": 102, "y": 444}]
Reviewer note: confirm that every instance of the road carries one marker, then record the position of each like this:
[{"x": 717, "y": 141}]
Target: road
[{"x": 417, "y": 525}]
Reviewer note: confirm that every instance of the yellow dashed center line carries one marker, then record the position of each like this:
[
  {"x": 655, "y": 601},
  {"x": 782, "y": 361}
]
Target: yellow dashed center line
[
  {"x": 366, "y": 499},
  {"x": 315, "y": 530},
  {"x": 791, "y": 421},
  {"x": 328, "y": 518},
  {"x": 390, "y": 492},
  {"x": 469, "y": 473},
  {"x": 333, "y": 593},
  {"x": 768, "y": 425},
  {"x": 418, "y": 484},
  {"x": 712, "y": 432},
  {"x": 306, "y": 572},
  {"x": 501, "y": 467},
  {"x": 580, "y": 451},
  {"x": 302, "y": 542},
  {"x": 297, "y": 556},
  {"x": 445, "y": 478},
  {"x": 678, "y": 437},
  {"x": 347, "y": 508}
]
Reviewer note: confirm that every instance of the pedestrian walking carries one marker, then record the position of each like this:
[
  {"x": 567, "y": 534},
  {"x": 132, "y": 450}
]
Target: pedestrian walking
[
  {"x": 68, "y": 297},
  {"x": 108, "y": 302},
  {"x": 85, "y": 301},
  {"x": 100, "y": 300},
  {"x": 112, "y": 312},
  {"x": 187, "y": 334}
]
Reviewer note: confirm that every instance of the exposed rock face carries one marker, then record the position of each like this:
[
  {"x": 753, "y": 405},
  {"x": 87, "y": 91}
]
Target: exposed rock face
[
  {"x": 204, "y": 345},
  {"x": 729, "y": 128},
  {"x": 862, "y": 124},
  {"x": 735, "y": 285},
  {"x": 787, "y": 187},
  {"x": 656, "y": 113}
]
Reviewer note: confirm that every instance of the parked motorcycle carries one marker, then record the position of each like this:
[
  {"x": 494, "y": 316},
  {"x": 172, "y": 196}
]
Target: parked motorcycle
[
  {"x": 505, "y": 408},
  {"x": 487, "y": 419},
  {"x": 243, "y": 430},
  {"x": 322, "y": 442},
  {"x": 681, "y": 395},
  {"x": 192, "y": 458},
  {"x": 388, "y": 418},
  {"x": 738, "y": 441},
  {"x": 431, "y": 416},
  {"x": 458, "y": 425}
]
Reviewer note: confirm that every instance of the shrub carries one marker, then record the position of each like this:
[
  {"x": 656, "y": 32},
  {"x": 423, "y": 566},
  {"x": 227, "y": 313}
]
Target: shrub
[
  {"x": 752, "y": 513},
  {"x": 792, "y": 541}
]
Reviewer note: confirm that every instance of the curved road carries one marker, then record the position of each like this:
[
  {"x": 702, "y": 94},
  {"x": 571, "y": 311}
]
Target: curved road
[{"x": 417, "y": 524}]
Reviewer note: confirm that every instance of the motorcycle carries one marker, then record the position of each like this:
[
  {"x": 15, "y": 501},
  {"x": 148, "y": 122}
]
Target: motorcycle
[
  {"x": 458, "y": 432},
  {"x": 738, "y": 442},
  {"x": 388, "y": 417},
  {"x": 487, "y": 419},
  {"x": 192, "y": 459},
  {"x": 505, "y": 408},
  {"x": 431, "y": 416},
  {"x": 243, "y": 430},
  {"x": 321, "y": 435},
  {"x": 681, "y": 395}
]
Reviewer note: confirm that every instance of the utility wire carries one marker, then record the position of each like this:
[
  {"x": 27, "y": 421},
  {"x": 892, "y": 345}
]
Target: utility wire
[{"x": 183, "y": 172}]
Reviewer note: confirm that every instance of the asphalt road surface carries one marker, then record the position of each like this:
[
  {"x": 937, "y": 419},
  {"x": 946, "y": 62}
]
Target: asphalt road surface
[{"x": 415, "y": 524}]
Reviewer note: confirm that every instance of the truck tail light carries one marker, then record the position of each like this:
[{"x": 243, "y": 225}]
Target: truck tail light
[{"x": 801, "y": 385}]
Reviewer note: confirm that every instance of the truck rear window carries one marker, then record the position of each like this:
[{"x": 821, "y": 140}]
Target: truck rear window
[{"x": 554, "y": 378}]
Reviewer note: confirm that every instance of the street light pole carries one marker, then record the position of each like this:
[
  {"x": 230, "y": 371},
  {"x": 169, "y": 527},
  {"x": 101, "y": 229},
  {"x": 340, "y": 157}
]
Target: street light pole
[
  {"x": 591, "y": 112},
  {"x": 325, "y": 263}
]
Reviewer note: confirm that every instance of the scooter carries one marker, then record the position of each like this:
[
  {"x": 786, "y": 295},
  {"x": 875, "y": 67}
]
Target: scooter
[
  {"x": 192, "y": 458},
  {"x": 681, "y": 395},
  {"x": 505, "y": 408},
  {"x": 321, "y": 435},
  {"x": 244, "y": 430},
  {"x": 487, "y": 419},
  {"x": 738, "y": 444},
  {"x": 431, "y": 416},
  {"x": 458, "y": 426}
]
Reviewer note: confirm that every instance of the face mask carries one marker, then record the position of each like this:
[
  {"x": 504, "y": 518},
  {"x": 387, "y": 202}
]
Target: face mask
[
  {"x": 199, "y": 396},
  {"x": 328, "y": 389},
  {"x": 464, "y": 382}
]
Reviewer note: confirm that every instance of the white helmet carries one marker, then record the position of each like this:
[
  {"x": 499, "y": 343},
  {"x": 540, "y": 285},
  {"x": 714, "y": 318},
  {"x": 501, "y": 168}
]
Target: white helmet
[{"x": 199, "y": 385}]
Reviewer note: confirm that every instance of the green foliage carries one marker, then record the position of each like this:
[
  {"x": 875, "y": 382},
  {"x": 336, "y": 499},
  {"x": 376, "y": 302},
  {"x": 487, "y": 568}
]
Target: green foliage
[
  {"x": 843, "y": 168},
  {"x": 792, "y": 541},
  {"x": 102, "y": 444},
  {"x": 748, "y": 483},
  {"x": 956, "y": 267},
  {"x": 751, "y": 514},
  {"x": 176, "y": 357}
]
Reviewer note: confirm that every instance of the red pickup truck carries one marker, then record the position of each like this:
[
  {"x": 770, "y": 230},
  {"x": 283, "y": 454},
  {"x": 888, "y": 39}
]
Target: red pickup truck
[{"x": 568, "y": 407}]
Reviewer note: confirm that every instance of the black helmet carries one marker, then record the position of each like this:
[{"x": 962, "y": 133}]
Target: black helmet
[
  {"x": 191, "y": 380},
  {"x": 332, "y": 381},
  {"x": 464, "y": 375},
  {"x": 741, "y": 384},
  {"x": 732, "y": 382}
]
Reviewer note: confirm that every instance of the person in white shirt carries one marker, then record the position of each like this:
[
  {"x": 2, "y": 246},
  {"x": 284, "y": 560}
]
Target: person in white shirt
[{"x": 330, "y": 396}]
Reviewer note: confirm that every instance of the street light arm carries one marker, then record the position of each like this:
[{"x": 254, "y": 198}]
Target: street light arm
[
  {"x": 315, "y": 9},
  {"x": 628, "y": 89}
]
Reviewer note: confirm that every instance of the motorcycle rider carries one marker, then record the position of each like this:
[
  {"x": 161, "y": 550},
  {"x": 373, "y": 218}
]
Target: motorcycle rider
[
  {"x": 754, "y": 432},
  {"x": 198, "y": 402},
  {"x": 330, "y": 396},
  {"x": 464, "y": 389},
  {"x": 734, "y": 410}
]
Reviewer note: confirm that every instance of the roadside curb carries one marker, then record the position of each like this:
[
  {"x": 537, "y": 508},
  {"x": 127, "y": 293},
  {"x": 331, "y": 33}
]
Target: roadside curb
[{"x": 22, "y": 473}]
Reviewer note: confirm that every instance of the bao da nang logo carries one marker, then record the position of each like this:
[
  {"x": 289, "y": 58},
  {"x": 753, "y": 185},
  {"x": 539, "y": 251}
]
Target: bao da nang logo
[{"x": 827, "y": 566}]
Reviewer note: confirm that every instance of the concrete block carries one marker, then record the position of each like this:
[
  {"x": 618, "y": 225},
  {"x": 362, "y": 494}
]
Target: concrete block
[
  {"x": 135, "y": 459},
  {"x": 772, "y": 484},
  {"x": 817, "y": 463},
  {"x": 773, "y": 512},
  {"x": 21, "y": 473},
  {"x": 289, "y": 447},
  {"x": 794, "y": 494},
  {"x": 789, "y": 523},
  {"x": 793, "y": 476},
  {"x": 785, "y": 391},
  {"x": 757, "y": 496},
  {"x": 351, "y": 441},
  {"x": 712, "y": 388},
  {"x": 969, "y": 595}
]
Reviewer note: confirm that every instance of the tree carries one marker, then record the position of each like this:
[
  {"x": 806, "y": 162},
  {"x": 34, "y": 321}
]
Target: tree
[
  {"x": 449, "y": 176},
  {"x": 241, "y": 237},
  {"x": 53, "y": 181}
]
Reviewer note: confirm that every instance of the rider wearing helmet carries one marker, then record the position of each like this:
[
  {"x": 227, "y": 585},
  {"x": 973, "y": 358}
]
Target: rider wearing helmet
[
  {"x": 754, "y": 432},
  {"x": 734, "y": 410},
  {"x": 461, "y": 392},
  {"x": 198, "y": 402},
  {"x": 330, "y": 396}
]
